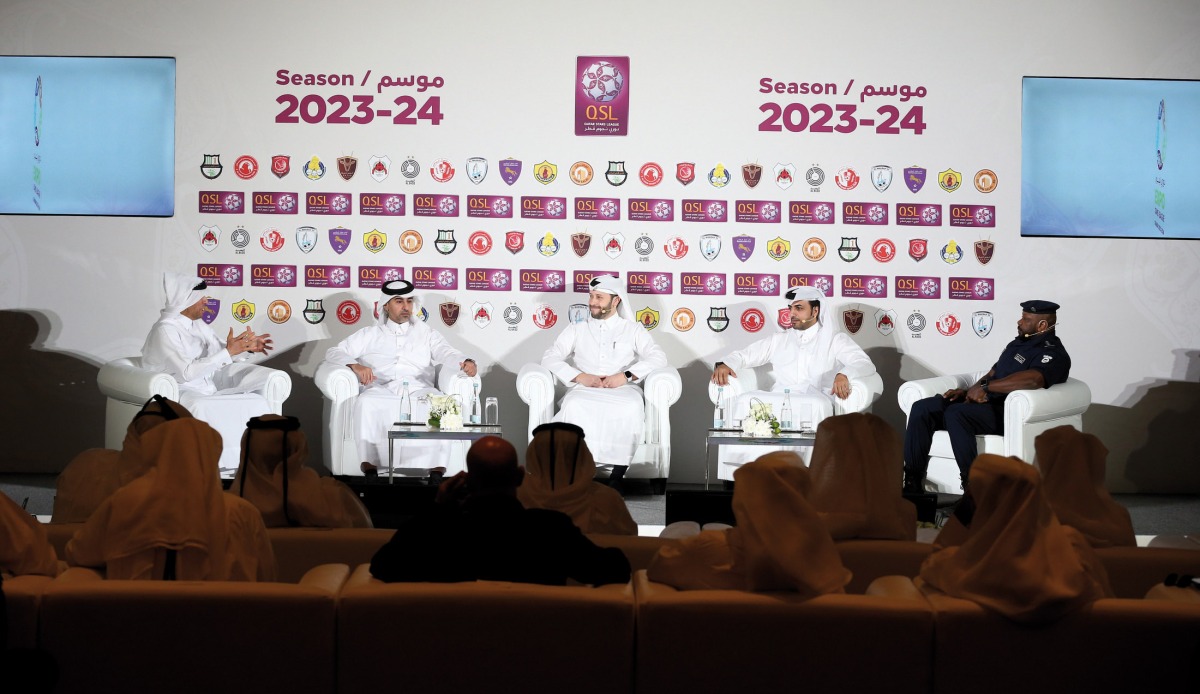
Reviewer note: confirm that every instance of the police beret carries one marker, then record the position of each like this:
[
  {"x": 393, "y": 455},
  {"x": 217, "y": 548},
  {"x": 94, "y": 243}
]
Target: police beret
[{"x": 1039, "y": 306}]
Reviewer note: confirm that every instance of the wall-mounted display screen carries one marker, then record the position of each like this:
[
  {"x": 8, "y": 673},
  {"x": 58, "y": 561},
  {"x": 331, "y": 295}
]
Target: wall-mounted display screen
[
  {"x": 87, "y": 136},
  {"x": 1110, "y": 157}
]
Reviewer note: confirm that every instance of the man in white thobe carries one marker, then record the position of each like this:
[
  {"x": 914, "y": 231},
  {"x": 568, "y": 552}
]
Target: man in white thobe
[
  {"x": 398, "y": 348},
  {"x": 211, "y": 386},
  {"x": 611, "y": 354},
  {"x": 812, "y": 361}
]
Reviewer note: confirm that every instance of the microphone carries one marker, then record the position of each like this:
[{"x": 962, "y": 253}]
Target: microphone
[{"x": 1048, "y": 329}]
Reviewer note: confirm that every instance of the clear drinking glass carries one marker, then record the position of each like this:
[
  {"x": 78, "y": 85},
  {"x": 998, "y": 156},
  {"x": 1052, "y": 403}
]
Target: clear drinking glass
[
  {"x": 806, "y": 417},
  {"x": 491, "y": 412}
]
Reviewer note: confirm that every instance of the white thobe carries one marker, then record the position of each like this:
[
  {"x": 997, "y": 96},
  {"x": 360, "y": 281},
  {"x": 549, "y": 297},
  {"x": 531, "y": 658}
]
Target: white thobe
[
  {"x": 397, "y": 353},
  {"x": 805, "y": 362},
  {"x": 612, "y": 419},
  {"x": 213, "y": 392}
]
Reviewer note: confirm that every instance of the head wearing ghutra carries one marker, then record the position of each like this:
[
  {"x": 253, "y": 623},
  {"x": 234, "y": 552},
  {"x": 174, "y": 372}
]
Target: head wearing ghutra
[
  {"x": 802, "y": 293},
  {"x": 611, "y": 285},
  {"x": 391, "y": 290},
  {"x": 181, "y": 291}
]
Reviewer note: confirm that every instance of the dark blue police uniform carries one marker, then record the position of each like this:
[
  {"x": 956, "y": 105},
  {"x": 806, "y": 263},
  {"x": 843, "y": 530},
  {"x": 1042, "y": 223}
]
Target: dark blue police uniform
[{"x": 963, "y": 421}]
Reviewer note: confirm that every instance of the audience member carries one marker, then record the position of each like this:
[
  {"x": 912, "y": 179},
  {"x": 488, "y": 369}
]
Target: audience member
[
  {"x": 174, "y": 522},
  {"x": 1005, "y": 549},
  {"x": 273, "y": 477},
  {"x": 856, "y": 464},
  {"x": 778, "y": 543},
  {"x": 24, "y": 548},
  {"x": 478, "y": 530},
  {"x": 1072, "y": 467},
  {"x": 560, "y": 476}
]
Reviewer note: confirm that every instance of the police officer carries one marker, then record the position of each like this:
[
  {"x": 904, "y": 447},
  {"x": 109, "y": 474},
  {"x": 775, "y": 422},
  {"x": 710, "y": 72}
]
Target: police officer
[{"x": 1036, "y": 358}]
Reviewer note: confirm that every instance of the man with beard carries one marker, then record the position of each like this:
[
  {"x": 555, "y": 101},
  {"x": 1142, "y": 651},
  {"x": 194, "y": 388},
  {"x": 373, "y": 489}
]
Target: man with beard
[{"x": 1034, "y": 359}]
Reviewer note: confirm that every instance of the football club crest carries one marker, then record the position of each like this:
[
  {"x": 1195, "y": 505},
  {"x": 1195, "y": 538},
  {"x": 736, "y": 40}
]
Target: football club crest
[
  {"x": 849, "y": 250},
  {"x": 510, "y": 170},
  {"x": 710, "y": 246},
  {"x": 581, "y": 173},
  {"x": 717, "y": 319},
  {"x": 449, "y": 311},
  {"x": 685, "y": 172},
  {"x": 951, "y": 253},
  {"x": 245, "y": 167},
  {"x": 514, "y": 241},
  {"x": 339, "y": 239},
  {"x": 380, "y": 167},
  {"x": 846, "y": 179},
  {"x": 918, "y": 249},
  {"x": 815, "y": 176},
  {"x": 814, "y": 249},
  {"x": 279, "y": 311},
  {"x": 785, "y": 175},
  {"x": 581, "y": 243},
  {"x": 314, "y": 169},
  {"x": 211, "y": 166},
  {"x": 445, "y": 243},
  {"x": 743, "y": 247},
  {"x": 481, "y": 313},
  {"x": 948, "y": 324},
  {"x": 983, "y": 251},
  {"x": 881, "y": 177},
  {"x": 545, "y": 172},
  {"x": 683, "y": 319},
  {"x": 281, "y": 165},
  {"x": 751, "y": 174},
  {"x": 348, "y": 312},
  {"x": 644, "y": 245},
  {"x": 549, "y": 245},
  {"x": 914, "y": 178},
  {"x": 410, "y": 169},
  {"x": 753, "y": 320},
  {"x": 477, "y": 168},
  {"x": 885, "y": 321},
  {"x": 916, "y": 323},
  {"x": 512, "y": 316},
  {"x": 985, "y": 180},
  {"x": 212, "y": 307},
  {"x": 441, "y": 171},
  {"x": 784, "y": 318},
  {"x": 949, "y": 180},
  {"x": 616, "y": 173},
  {"x": 544, "y": 317},
  {"x": 648, "y": 317},
  {"x": 675, "y": 248},
  {"x": 411, "y": 241},
  {"x": 718, "y": 176},
  {"x": 651, "y": 174},
  {"x": 883, "y": 250},
  {"x": 240, "y": 238},
  {"x": 375, "y": 240},
  {"x": 243, "y": 311},
  {"x": 852, "y": 318},
  {"x": 981, "y": 322},
  {"x": 614, "y": 244},
  {"x": 480, "y": 242},
  {"x": 347, "y": 166},
  {"x": 577, "y": 313},
  {"x": 209, "y": 237},
  {"x": 306, "y": 238},
  {"x": 271, "y": 240},
  {"x": 778, "y": 248}
]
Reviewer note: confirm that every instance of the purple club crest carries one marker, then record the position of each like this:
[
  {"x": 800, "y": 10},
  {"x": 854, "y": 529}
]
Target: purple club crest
[
  {"x": 211, "y": 308},
  {"x": 510, "y": 170},
  {"x": 339, "y": 239},
  {"x": 743, "y": 247},
  {"x": 914, "y": 178}
]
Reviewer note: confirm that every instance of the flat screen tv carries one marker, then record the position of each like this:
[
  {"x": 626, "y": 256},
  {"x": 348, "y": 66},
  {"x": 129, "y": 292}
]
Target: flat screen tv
[
  {"x": 87, "y": 136},
  {"x": 1110, "y": 157}
]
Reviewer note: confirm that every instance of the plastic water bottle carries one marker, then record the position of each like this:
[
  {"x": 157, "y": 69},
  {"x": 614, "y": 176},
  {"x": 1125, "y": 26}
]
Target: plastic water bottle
[
  {"x": 475, "y": 409},
  {"x": 785, "y": 414},
  {"x": 405, "y": 404},
  {"x": 719, "y": 413}
]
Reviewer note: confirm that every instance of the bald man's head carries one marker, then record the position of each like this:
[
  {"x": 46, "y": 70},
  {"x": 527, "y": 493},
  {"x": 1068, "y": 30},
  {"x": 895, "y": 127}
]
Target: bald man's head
[{"x": 492, "y": 466}]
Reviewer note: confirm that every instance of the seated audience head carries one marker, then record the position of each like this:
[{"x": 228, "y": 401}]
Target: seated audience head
[
  {"x": 1072, "y": 464},
  {"x": 492, "y": 467},
  {"x": 157, "y": 410},
  {"x": 1011, "y": 555},
  {"x": 273, "y": 446}
]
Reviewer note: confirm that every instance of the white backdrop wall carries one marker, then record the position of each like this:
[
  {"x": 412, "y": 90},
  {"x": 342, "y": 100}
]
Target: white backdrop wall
[{"x": 77, "y": 291}]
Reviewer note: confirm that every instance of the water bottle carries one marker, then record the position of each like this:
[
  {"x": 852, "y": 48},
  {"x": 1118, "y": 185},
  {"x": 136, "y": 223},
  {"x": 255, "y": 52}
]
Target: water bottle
[
  {"x": 719, "y": 413},
  {"x": 405, "y": 404},
  {"x": 785, "y": 414},
  {"x": 475, "y": 405}
]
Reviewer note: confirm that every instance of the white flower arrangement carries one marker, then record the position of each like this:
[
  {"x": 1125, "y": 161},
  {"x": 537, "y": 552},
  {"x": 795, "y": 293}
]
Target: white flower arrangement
[
  {"x": 761, "y": 422},
  {"x": 445, "y": 412}
]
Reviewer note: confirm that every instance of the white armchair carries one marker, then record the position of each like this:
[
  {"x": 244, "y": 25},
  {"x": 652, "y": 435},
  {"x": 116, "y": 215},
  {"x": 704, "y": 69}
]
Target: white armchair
[
  {"x": 661, "y": 388},
  {"x": 340, "y": 387},
  {"x": 128, "y": 386},
  {"x": 1027, "y": 413}
]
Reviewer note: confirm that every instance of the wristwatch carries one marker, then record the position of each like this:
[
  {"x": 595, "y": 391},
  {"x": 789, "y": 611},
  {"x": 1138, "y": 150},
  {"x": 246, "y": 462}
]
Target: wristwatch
[
  {"x": 630, "y": 377},
  {"x": 984, "y": 384}
]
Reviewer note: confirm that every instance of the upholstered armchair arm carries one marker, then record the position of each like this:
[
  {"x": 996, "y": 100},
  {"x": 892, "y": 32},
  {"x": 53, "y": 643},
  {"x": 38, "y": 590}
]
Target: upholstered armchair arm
[
  {"x": 125, "y": 380},
  {"x": 662, "y": 388},
  {"x": 336, "y": 382},
  {"x": 1063, "y": 400},
  {"x": 535, "y": 386},
  {"x": 922, "y": 388},
  {"x": 863, "y": 393},
  {"x": 901, "y": 587},
  {"x": 274, "y": 385},
  {"x": 732, "y": 391},
  {"x": 326, "y": 577}
]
